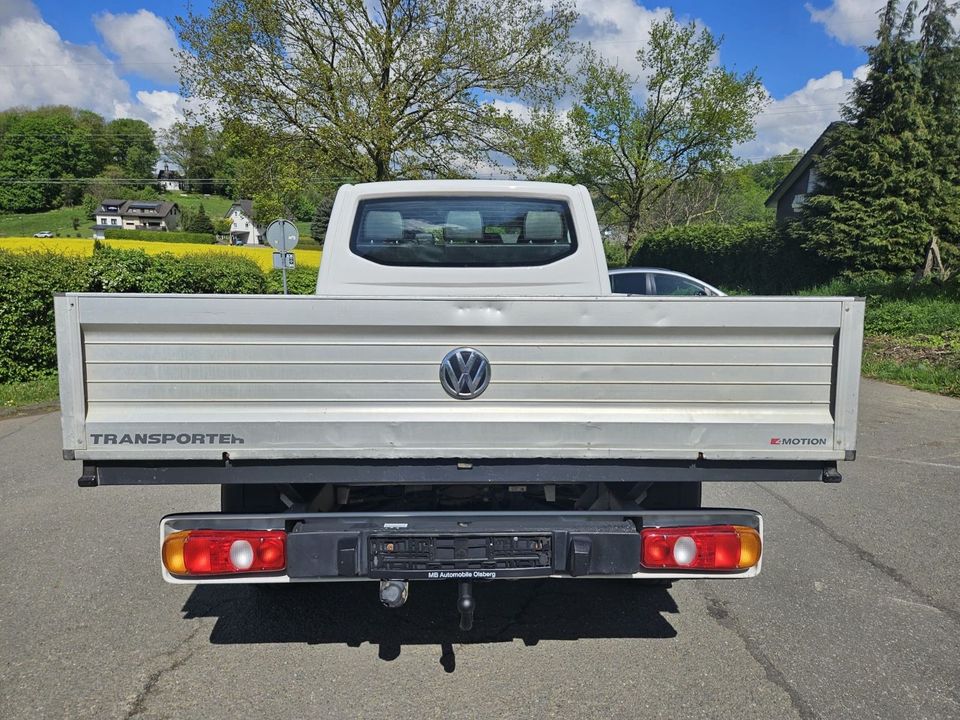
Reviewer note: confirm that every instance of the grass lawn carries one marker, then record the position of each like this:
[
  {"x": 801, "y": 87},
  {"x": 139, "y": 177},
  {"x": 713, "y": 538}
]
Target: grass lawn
[
  {"x": 34, "y": 392},
  {"x": 923, "y": 362},
  {"x": 59, "y": 222},
  {"x": 911, "y": 332},
  {"x": 214, "y": 206}
]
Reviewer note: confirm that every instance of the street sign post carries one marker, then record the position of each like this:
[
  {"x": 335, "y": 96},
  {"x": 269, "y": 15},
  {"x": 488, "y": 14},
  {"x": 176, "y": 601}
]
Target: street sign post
[{"x": 283, "y": 236}]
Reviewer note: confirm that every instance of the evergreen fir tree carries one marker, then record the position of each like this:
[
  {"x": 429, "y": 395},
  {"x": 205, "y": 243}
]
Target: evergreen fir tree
[
  {"x": 940, "y": 83},
  {"x": 321, "y": 218},
  {"x": 868, "y": 212},
  {"x": 198, "y": 222}
]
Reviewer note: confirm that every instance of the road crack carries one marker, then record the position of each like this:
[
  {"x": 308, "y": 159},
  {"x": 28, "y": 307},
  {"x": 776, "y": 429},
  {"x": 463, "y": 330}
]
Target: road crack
[
  {"x": 717, "y": 609},
  {"x": 868, "y": 557},
  {"x": 176, "y": 660}
]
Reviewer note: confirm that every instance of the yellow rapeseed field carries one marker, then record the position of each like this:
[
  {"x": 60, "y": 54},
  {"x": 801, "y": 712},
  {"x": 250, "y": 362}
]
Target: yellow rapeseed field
[{"x": 263, "y": 256}]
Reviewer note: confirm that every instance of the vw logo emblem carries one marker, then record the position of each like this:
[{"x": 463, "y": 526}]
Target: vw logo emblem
[{"x": 464, "y": 373}]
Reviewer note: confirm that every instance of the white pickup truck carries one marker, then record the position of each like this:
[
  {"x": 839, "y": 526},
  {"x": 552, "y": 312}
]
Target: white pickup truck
[{"x": 462, "y": 399}]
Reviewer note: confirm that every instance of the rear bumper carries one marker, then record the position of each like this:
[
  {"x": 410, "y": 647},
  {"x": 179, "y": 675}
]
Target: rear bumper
[{"x": 461, "y": 546}]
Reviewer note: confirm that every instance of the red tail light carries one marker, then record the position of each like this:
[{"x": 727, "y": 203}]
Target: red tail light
[
  {"x": 703, "y": 547},
  {"x": 225, "y": 552}
]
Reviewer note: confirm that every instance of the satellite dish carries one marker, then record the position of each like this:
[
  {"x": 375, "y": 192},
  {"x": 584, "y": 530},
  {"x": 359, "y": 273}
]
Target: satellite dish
[{"x": 283, "y": 235}]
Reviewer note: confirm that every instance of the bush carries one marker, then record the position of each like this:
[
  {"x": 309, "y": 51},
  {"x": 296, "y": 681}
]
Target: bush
[
  {"x": 159, "y": 236},
  {"x": 197, "y": 222},
  {"x": 219, "y": 273},
  {"x": 302, "y": 280},
  {"x": 114, "y": 270},
  {"x": 28, "y": 282},
  {"x": 756, "y": 257},
  {"x": 616, "y": 254}
]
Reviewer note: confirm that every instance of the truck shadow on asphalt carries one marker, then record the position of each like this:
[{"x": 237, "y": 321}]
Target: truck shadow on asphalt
[{"x": 351, "y": 614}]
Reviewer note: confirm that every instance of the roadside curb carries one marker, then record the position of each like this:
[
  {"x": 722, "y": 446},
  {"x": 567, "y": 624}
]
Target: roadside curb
[{"x": 22, "y": 410}]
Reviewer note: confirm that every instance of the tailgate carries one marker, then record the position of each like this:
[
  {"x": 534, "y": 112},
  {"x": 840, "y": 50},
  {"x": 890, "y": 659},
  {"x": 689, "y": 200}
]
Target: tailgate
[{"x": 195, "y": 377}]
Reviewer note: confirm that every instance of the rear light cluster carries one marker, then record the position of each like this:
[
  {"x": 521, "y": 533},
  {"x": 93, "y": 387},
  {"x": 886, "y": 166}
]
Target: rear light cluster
[
  {"x": 706, "y": 547},
  {"x": 225, "y": 552}
]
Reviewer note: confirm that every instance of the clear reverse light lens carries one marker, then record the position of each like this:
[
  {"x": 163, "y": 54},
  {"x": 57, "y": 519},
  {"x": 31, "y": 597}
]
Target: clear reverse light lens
[
  {"x": 684, "y": 550},
  {"x": 241, "y": 554}
]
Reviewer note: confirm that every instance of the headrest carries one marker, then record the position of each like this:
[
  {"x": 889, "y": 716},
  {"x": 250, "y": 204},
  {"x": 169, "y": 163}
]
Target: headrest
[
  {"x": 381, "y": 226},
  {"x": 464, "y": 226},
  {"x": 543, "y": 226}
]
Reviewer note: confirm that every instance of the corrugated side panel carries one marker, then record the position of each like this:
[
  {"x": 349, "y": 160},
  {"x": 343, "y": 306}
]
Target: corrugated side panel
[{"x": 268, "y": 377}]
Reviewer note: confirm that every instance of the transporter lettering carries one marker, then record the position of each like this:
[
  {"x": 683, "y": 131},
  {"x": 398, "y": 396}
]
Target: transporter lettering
[{"x": 166, "y": 439}]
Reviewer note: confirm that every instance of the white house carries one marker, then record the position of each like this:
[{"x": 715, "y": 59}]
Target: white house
[
  {"x": 243, "y": 231},
  {"x": 136, "y": 215},
  {"x": 169, "y": 180}
]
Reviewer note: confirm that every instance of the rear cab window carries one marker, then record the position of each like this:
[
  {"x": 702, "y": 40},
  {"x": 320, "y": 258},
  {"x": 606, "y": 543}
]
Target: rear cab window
[{"x": 478, "y": 231}]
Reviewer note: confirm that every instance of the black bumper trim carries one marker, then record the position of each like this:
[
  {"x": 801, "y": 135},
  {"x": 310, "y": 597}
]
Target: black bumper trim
[{"x": 467, "y": 549}]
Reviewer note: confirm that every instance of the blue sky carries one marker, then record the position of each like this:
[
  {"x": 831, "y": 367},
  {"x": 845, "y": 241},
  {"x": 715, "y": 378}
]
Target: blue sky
[{"x": 806, "y": 53}]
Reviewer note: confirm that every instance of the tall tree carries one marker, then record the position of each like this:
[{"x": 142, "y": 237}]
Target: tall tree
[
  {"x": 41, "y": 148},
  {"x": 379, "y": 89},
  {"x": 888, "y": 180},
  {"x": 940, "y": 83},
  {"x": 132, "y": 147},
  {"x": 194, "y": 148},
  {"x": 632, "y": 139},
  {"x": 321, "y": 218}
]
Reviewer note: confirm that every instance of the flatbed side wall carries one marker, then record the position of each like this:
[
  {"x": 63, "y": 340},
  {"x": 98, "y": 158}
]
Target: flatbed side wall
[{"x": 155, "y": 377}]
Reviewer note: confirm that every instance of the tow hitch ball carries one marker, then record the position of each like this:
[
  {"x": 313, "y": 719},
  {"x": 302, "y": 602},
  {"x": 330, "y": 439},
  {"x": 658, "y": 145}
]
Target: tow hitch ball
[
  {"x": 394, "y": 593},
  {"x": 466, "y": 605}
]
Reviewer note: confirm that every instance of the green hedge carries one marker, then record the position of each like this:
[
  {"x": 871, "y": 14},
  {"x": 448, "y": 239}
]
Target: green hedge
[
  {"x": 28, "y": 282},
  {"x": 302, "y": 280},
  {"x": 159, "y": 236},
  {"x": 754, "y": 257}
]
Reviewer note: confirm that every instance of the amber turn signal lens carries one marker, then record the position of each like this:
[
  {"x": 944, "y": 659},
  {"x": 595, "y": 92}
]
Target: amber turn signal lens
[
  {"x": 750, "y": 546},
  {"x": 173, "y": 552}
]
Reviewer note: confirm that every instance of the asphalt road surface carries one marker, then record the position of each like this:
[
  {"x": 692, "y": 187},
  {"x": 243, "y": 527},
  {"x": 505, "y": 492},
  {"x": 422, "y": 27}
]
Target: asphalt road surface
[{"x": 855, "y": 615}]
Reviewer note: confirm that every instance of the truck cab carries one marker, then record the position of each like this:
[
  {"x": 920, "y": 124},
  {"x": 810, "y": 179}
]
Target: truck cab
[{"x": 467, "y": 238}]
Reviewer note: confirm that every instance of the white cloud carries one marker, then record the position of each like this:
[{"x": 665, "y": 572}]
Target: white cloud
[
  {"x": 142, "y": 41},
  {"x": 41, "y": 68},
  {"x": 159, "y": 108},
  {"x": 855, "y": 22},
  {"x": 13, "y": 9},
  {"x": 799, "y": 118},
  {"x": 617, "y": 29},
  {"x": 519, "y": 110},
  {"x": 850, "y": 22}
]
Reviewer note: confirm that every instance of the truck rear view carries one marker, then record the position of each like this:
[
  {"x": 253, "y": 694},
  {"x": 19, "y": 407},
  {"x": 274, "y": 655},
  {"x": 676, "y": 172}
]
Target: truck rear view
[{"x": 463, "y": 399}]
